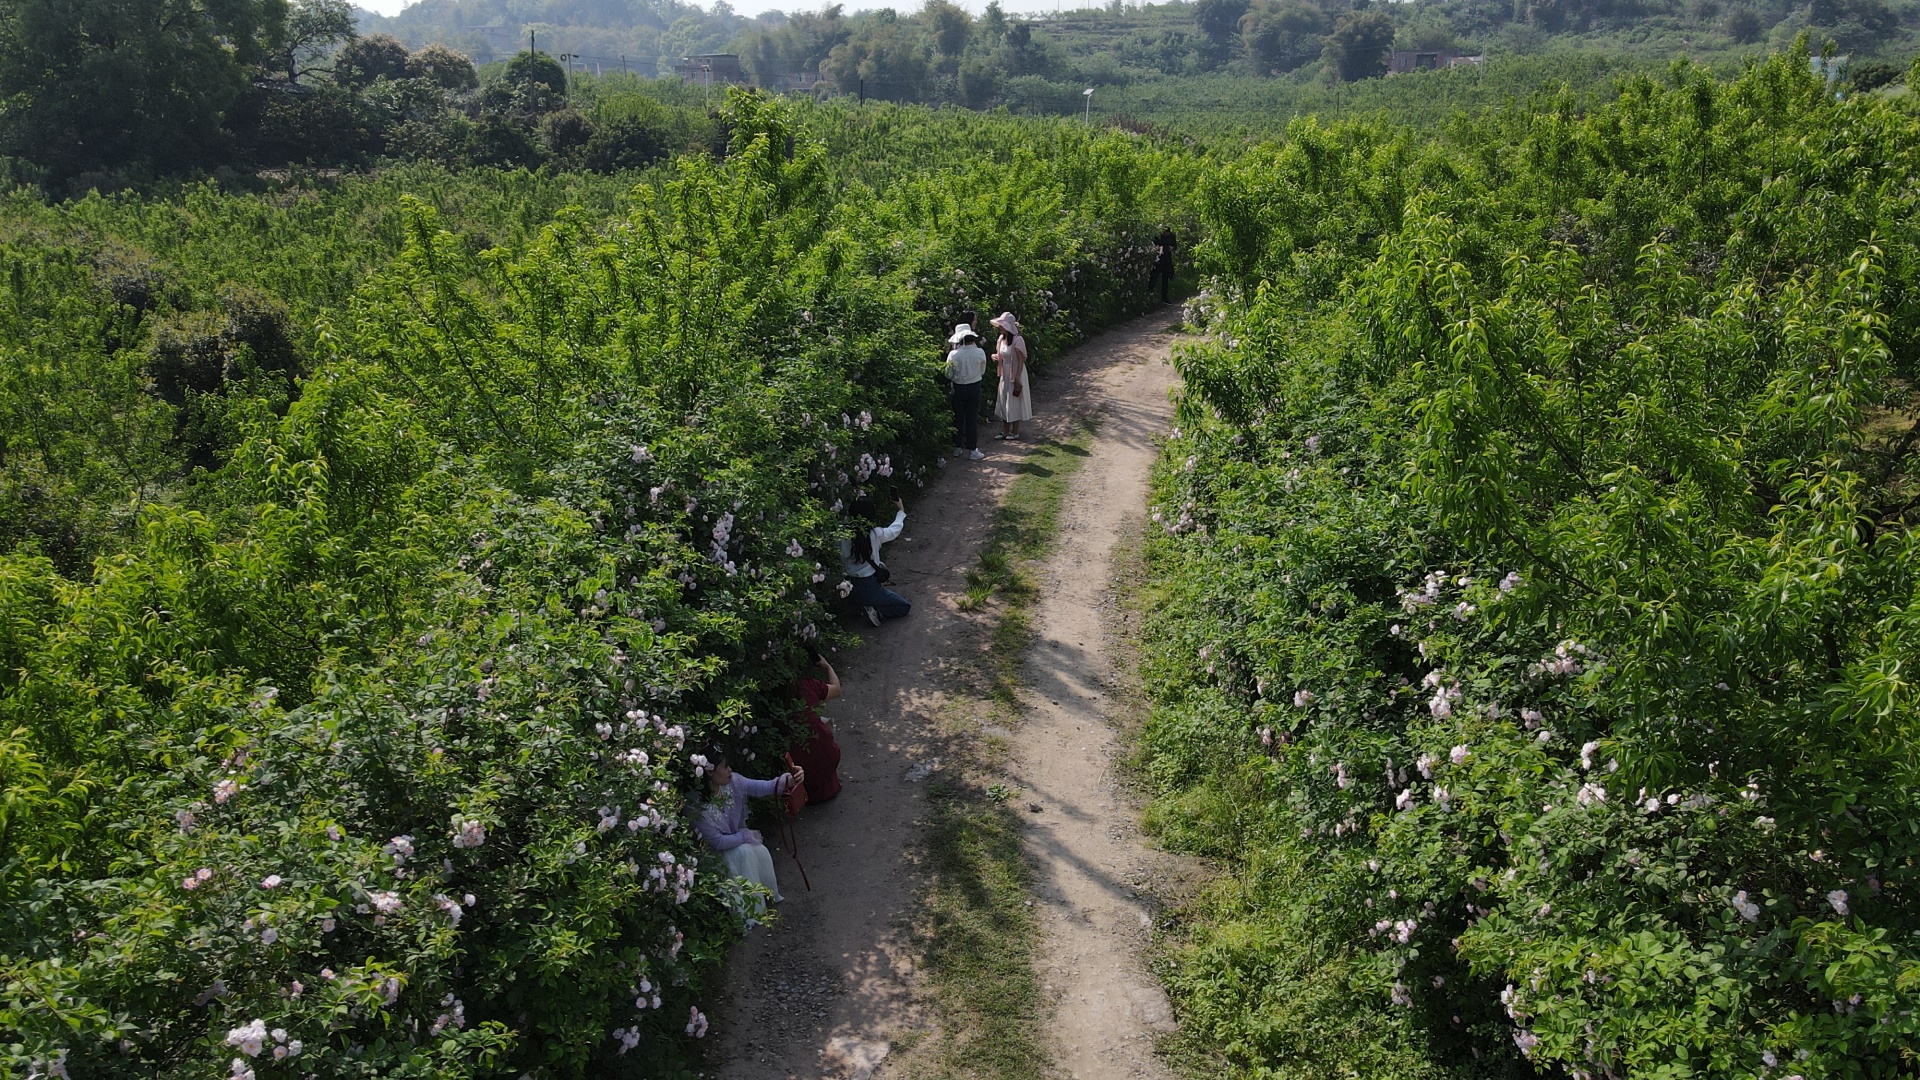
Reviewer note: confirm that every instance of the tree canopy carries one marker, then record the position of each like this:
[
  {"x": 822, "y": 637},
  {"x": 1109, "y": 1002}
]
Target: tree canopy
[{"x": 97, "y": 84}]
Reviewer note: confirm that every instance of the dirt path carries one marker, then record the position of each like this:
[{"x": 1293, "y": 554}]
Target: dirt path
[
  {"x": 1093, "y": 869},
  {"x": 828, "y": 990}
]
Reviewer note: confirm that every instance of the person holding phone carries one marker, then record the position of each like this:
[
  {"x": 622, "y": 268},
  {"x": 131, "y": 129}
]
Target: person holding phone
[
  {"x": 814, "y": 748},
  {"x": 866, "y": 572},
  {"x": 721, "y": 818}
]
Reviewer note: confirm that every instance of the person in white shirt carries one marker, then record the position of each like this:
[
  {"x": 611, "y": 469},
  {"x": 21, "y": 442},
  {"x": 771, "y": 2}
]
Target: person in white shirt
[
  {"x": 866, "y": 572},
  {"x": 966, "y": 364}
]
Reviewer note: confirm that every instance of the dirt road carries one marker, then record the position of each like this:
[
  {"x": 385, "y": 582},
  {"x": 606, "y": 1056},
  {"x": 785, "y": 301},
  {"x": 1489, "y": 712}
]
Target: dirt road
[
  {"x": 828, "y": 990},
  {"x": 1093, "y": 870}
]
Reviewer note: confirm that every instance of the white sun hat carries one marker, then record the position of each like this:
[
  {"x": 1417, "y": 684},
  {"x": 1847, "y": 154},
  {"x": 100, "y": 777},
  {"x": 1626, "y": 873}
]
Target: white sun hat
[{"x": 961, "y": 332}]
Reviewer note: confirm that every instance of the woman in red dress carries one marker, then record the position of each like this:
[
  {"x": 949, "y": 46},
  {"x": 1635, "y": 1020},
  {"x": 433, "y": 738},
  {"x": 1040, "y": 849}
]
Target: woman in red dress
[{"x": 814, "y": 748}]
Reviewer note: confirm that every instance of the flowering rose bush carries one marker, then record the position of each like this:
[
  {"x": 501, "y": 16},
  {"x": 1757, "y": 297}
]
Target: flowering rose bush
[
  {"x": 1534, "y": 571},
  {"x": 373, "y": 760}
]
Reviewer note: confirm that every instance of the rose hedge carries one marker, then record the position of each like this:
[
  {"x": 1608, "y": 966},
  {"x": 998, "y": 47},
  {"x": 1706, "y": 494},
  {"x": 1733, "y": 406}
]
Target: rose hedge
[
  {"x": 1534, "y": 584},
  {"x": 371, "y": 758}
]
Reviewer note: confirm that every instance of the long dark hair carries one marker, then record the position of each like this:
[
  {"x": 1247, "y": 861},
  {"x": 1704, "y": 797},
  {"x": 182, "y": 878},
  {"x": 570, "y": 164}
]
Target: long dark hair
[
  {"x": 717, "y": 755},
  {"x": 863, "y": 530}
]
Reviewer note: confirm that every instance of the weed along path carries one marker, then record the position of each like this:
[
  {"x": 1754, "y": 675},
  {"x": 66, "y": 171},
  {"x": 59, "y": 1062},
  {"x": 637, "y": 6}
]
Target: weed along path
[{"x": 836, "y": 986}]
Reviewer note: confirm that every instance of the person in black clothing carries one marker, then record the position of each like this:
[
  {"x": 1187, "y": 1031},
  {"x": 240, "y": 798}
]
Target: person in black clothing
[{"x": 1163, "y": 246}]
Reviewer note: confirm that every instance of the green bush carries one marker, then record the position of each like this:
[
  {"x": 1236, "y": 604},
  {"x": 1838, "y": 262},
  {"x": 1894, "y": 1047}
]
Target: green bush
[
  {"x": 364, "y": 749},
  {"x": 1533, "y": 593}
]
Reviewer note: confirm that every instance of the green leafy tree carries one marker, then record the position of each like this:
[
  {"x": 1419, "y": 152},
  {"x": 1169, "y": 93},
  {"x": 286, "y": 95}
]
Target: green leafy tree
[
  {"x": 376, "y": 56},
  {"x": 540, "y": 75},
  {"x": 993, "y": 22},
  {"x": 1743, "y": 25},
  {"x": 564, "y": 133},
  {"x": 1219, "y": 19},
  {"x": 313, "y": 29},
  {"x": 320, "y": 124},
  {"x": 126, "y": 84},
  {"x": 529, "y": 86},
  {"x": 503, "y": 143},
  {"x": 443, "y": 67},
  {"x": 950, "y": 26},
  {"x": 1283, "y": 36},
  {"x": 1359, "y": 44},
  {"x": 890, "y": 58},
  {"x": 1853, "y": 24},
  {"x": 1536, "y": 576},
  {"x": 624, "y": 142},
  {"x": 799, "y": 44}
]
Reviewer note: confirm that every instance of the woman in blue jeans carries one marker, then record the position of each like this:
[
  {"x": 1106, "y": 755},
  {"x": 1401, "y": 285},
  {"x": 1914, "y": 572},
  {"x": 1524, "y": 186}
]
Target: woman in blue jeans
[{"x": 860, "y": 556}]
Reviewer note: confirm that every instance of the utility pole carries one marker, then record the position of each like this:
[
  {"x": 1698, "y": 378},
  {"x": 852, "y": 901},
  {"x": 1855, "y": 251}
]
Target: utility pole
[
  {"x": 863, "y": 89},
  {"x": 533, "y": 50}
]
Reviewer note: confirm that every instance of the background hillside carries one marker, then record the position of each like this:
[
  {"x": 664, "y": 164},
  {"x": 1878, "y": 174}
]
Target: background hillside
[
  {"x": 263, "y": 85},
  {"x": 941, "y": 53}
]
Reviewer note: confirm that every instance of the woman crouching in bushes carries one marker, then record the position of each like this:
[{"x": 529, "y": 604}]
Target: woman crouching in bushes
[
  {"x": 860, "y": 556},
  {"x": 720, "y": 817}
]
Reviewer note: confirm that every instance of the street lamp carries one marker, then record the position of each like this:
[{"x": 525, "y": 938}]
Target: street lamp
[{"x": 1088, "y": 94}]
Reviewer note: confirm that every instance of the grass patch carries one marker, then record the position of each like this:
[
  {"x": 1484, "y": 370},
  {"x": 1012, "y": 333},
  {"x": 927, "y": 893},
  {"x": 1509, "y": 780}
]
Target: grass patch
[
  {"x": 976, "y": 926},
  {"x": 1023, "y": 530},
  {"x": 979, "y": 935}
]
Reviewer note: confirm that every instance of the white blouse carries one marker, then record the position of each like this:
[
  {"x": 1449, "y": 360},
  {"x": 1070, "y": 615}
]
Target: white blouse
[{"x": 879, "y": 536}]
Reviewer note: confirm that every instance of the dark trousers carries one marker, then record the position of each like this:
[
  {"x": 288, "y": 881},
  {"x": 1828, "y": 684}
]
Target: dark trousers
[
  {"x": 966, "y": 415},
  {"x": 1163, "y": 275},
  {"x": 870, "y": 593}
]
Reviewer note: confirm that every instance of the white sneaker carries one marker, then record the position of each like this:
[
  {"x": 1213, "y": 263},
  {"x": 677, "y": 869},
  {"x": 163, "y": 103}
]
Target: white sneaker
[
  {"x": 872, "y": 614},
  {"x": 975, "y": 456}
]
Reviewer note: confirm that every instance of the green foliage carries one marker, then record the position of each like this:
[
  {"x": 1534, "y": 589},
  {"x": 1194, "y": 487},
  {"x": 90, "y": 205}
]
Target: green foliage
[
  {"x": 1534, "y": 590},
  {"x": 138, "y": 85},
  {"x": 100, "y": 289},
  {"x": 366, "y": 717},
  {"x": 1277, "y": 38},
  {"x": 1359, "y": 44},
  {"x": 375, "y": 56},
  {"x": 535, "y": 69},
  {"x": 444, "y": 68},
  {"x": 1230, "y": 110},
  {"x": 313, "y": 29}
]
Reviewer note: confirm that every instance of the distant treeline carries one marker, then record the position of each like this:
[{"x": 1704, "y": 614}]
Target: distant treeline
[{"x": 104, "y": 95}]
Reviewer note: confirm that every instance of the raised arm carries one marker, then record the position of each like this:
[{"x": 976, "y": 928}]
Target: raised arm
[
  {"x": 761, "y": 788},
  {"x": 892, "y": 532},
  {"x": 833, "y": 680}
]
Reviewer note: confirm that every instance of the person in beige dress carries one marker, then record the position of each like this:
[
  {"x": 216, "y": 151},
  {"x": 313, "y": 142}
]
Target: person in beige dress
[{"x": 1016, "y": 394}]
